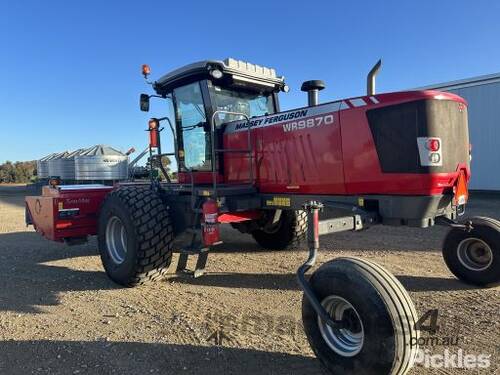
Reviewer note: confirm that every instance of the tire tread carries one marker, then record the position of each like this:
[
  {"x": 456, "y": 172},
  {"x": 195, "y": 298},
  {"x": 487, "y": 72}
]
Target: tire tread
[{"x": 153, "y": 230}]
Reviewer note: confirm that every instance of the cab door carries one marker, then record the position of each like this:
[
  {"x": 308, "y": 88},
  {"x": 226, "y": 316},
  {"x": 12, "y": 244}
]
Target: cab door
[{"x": 192, "y": 127}]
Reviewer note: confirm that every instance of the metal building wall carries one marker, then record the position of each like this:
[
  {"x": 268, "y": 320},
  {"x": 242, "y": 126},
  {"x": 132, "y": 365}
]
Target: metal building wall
[
  {"x": 483, "y": 97},
  {"x": 484, "y": 130}
]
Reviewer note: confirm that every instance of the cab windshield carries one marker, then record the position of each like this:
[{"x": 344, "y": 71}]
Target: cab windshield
[{"x": 250, "y": 103}]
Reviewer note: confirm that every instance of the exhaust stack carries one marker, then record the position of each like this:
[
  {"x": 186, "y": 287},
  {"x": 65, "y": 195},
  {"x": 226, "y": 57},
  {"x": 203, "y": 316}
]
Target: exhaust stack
[
  {"x": 370, "y": 79},
  {"x": 312, "y": 88}
]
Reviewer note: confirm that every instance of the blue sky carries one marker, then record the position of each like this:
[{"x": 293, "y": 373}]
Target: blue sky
[{"x": 70, "y": 70}]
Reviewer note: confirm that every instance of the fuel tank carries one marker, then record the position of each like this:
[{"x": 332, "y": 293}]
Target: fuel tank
[{"x": 404, "y": 143}]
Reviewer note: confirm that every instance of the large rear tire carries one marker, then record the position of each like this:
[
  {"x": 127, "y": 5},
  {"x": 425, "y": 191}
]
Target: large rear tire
[
  {"x": 474, "y": 257},
  {"x": 135, "y": 236},
  {"x": 288, "y": 232},
  {"x": 380, "y": 337}
]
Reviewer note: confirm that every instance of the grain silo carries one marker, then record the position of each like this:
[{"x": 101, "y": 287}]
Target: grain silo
[
  {"x": 100, "y": 163},
  {"x": 42, "y": 166},
  {"x": 52, "y": 166},
  {"x": 64, "y": 165}
]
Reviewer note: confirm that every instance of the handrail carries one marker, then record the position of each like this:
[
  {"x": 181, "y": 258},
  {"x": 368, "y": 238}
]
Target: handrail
[
  {"x": 173, "y": 135},
  {"x": 214, "y": 151},
  {"x": 159, "y": 154}
]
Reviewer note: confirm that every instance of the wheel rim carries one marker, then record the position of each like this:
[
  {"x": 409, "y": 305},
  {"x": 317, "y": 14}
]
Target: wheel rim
[
  {"x": 116, "y": 240},
  {"x": 474, "y": 254},
  {"x": 348, "y": 341}
]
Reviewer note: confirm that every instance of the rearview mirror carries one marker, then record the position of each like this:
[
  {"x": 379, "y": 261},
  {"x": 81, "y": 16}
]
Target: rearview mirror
[{"x": 144, "y": 102}]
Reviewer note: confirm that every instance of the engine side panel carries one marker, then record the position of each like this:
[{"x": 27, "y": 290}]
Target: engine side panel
[
  {"x": 335, "y": 149},
  {"x": 380, "y": 144},
  {"x": 301, "y": 153}
]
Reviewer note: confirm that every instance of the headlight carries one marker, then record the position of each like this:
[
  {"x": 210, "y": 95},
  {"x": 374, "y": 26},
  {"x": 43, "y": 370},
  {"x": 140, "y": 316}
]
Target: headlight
[{"x": 216, "y": 73}]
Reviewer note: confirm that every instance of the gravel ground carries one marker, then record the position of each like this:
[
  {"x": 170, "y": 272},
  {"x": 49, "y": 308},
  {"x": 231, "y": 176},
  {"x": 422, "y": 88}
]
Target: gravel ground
[{"x": 60, "y": 314}]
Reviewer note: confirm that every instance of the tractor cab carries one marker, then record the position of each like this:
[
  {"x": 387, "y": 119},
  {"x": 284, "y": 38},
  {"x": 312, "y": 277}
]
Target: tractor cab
[{"x": 207, "y": 95}]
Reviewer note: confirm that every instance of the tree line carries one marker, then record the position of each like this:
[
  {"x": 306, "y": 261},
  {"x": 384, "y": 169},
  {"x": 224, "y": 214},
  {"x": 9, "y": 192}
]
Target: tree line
[{"x": 18, "y": 172}]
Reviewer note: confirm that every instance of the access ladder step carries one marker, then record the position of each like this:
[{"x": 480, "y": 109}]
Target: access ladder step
[{"x": 201, "y": 263}]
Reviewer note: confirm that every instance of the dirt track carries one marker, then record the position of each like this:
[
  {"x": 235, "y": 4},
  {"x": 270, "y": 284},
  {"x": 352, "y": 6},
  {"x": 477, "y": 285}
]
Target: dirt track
[{"x": 59, "y": 313}]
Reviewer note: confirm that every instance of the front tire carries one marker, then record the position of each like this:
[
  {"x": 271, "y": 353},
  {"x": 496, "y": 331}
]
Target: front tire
[
  {"x": 474, "y": 257},
  {"x": 135, "y": 236},
  {"x": 380, "y": 337}
]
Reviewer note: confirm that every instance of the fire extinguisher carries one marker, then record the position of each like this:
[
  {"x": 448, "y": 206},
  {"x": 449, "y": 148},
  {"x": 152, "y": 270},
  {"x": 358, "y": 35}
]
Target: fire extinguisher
[{"x": 210, "y": 223}]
